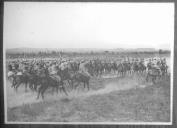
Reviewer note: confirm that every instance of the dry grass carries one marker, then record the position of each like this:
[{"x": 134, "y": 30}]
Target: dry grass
[{"x": 151, "y": 103}]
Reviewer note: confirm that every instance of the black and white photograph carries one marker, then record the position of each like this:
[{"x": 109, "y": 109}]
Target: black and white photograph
[{"x": 88, "y": 63}]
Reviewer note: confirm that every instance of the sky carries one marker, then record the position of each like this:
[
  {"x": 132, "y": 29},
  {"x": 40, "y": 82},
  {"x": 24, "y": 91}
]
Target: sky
[{"x": 88, "y": 25}]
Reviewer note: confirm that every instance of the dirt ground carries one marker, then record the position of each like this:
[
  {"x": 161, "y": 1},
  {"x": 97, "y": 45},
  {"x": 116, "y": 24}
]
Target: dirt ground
[{"x": 110, "y": 99}]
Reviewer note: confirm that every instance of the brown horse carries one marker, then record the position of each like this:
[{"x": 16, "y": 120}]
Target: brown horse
[
  {"x": 121, "y": 69},
  {"x": 81, "y": 77},
  {"x": 47, "y": 81},
  {"x": 20, "y": 79}
]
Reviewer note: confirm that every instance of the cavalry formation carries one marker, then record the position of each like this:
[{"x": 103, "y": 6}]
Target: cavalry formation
[{"x": 40, "y": 74}]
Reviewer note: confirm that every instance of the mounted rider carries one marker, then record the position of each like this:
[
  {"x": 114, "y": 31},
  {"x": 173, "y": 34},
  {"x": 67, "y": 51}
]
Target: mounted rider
[
  {"x": 10, "y": 73},
  {"x": 53, "y": 70},
  {"x": 25, "y": 70},
  {"x": 149, "y": 64},
  {"x": 164, "y": 66},
  {"x": 84, "y": 68},
  {"x": 41, "y": 71}
]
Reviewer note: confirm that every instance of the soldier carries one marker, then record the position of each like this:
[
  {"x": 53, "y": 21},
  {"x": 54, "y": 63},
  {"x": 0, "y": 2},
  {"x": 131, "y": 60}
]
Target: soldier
[
  {"x": 9, "y": 67},
  {"x": 53, "y": 70},
  {"x": 83, "y": 68},
  {"x": 63, "y": 65},
  {"x": 164, "y": 61},
  {"x": 149, "y": 64}
]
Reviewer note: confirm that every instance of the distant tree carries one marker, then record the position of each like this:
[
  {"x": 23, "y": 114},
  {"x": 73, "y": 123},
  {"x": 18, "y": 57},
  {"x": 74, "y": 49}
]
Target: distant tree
[
  {"x": 106, "y": 51},
  {"x": 91, "y": 52}
]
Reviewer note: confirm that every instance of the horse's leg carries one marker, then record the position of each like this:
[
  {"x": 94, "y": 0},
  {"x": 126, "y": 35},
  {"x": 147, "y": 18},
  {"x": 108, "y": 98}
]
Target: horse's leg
[
  {"x": 72, "y": 84},
  {"x": 39, "y": 91},
  {"x": 57, "y": 87},
  {"x": 17, "y": 85},
  {"x": 64, "y": 90},
  {"x": 97, "y": 73},
  {"x": 84, "y": 84},
  {"x": 13, "y": 83},
  {"x": 153, "y": 79},
  {"x": 43, "y": 90},
  {"x": 128, "y": 72},
  {"x": 60, "y": 88},
  {"x": 77, "y": 85},
  {"x": 69, "y": 82},
  {"x": 124, "y": 72},
  {"x": 147, "y": 78},
  {"x": 30, "y": 86},
  {"x": 35, "y": 86},
  {"x": 26, "y": 85},
  {"x": 53, "y": 89},
  {"x": 101, "y": 72},
  {"x": 119, "y": 73},
  {"x": 88, "y": 85},
  {"x": 131, "y": 72}
]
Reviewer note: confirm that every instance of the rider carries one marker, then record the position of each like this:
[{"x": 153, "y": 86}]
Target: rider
[
  {"x": 25, "y": 69},
  {"x": 10, "y": 74},
  {"x": 83, "y": 68},
  {"x": 10, "y": 71},
  {"x": 149, "y": 64},
  {"x": 163, "y": 61},
  {"x": 41, "y": 71},
  {"x": 53, "y": 70}
]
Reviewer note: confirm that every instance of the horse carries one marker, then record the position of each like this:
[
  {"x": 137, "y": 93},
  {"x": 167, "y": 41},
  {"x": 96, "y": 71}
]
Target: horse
[
  {"x": 81, "y": 77},
  {"x": 47, "y": 81},
  {"x": 164, "y": 68},
  {"x": 127, "y": 68},
  {"x": 19, "y": 79},
  {"x": 120, "y": 69},
  {"x": 135, "y": 67},
  {"x": 142, "y": 67},
  {"x": 98, "y": 69},
  {"x": 153, "y": 73},
  {"x": 66, "y": 75}
]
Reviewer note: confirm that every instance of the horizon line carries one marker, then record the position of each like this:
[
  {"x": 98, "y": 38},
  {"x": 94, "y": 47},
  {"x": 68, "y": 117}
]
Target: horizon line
[{"x": 88, "y": 48}]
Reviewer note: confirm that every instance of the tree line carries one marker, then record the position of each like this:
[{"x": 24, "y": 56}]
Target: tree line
[{"x": 73, "y": 54}]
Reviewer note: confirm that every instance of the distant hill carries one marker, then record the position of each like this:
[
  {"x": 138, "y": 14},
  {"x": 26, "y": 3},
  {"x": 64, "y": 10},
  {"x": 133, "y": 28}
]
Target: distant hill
[
  {"x": 136, "y": 50},
  {"x": 36, "y": 50}
]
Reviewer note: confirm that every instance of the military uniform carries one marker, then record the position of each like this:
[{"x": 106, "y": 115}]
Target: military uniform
[
  {"x": 84, "y": 69},
  {"x": 53, "y": 73}
]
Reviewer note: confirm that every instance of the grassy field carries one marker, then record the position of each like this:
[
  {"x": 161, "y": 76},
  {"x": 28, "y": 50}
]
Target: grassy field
[{"x": 127, "y": 99}]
